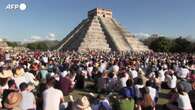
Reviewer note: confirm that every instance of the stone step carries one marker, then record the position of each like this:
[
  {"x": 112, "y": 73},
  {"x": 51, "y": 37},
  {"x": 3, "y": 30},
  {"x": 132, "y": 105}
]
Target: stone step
[
  {"x": 94, "y": 40},
  {"x": 94, "y": 28},
  {"x": 94, "y": 43},
  {"x": 95, "y": 33}
]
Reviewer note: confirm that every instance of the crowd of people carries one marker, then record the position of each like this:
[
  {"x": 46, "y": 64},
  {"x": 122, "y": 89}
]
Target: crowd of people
[{"x": 119, "y": 80}]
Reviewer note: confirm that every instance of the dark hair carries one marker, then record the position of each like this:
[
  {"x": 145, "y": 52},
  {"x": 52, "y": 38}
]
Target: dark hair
[
  {"x": 149, "y": 83},
  {"x": 50, "y": 81},
  {"x": 180, "y": 89},
  {"x": 129, "y": 82},
  {"x": 11, "y": 82},
  {"x": 139, "y": 81},
  {"x": 23, "y": 86}
]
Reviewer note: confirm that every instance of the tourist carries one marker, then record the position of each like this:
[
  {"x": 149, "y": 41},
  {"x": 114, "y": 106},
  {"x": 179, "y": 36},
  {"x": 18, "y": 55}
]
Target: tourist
[
  {"x": 19, "y": 76},
  {"x": 133, "y": 73},
  {"x": 183, "y": 100},
  {"x": 170, "y": 79},
  {"x": 128, "y": 91},
  {"x": 147, "y": 102},
  {"x": 13, "y": 101},
  {"x": 81, "y": 104},
  {"x": 123, "y": 79},
  {"x": 187, "y": 85},
  {"x": 183, "y": 72},
  {"x": 28, "y": 101},
  {"x": 152, "y": 90},
  {"x": 102, "y": 103},
  {"x": 103, "y": 81},
  {"x": 64, "y": 83},
  {"x": 52, "y": 97},
  {"x": 11, "y": 88}
]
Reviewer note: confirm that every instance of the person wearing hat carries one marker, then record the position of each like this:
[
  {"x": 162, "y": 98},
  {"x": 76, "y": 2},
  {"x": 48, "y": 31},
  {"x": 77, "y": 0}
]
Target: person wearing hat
[
  {"x": 19, "y": 76},
  {"x": 13, "y": 101},
  {"x": 6, "y": 73},
  {"x": 81, "y": 104}
]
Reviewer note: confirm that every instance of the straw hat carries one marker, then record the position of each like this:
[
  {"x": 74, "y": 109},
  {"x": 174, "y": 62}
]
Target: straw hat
[
  {"x": 13, "y": 100},
  {"x": 83, "y": 104},
  {"x": 6, "y": 74}
]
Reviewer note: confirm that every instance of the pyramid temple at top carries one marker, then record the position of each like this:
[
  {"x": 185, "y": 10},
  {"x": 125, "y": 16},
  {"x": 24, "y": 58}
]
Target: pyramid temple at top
[{"x": 100, "y": 31}]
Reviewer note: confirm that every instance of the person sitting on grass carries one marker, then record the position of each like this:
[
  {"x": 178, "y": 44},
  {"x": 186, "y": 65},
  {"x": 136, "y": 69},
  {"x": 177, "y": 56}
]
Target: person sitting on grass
[
  {"x": 128, "y": 91},
  {"x": 183, "y": 100}
]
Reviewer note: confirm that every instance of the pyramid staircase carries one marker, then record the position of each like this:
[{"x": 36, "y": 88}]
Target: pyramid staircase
[
  {"x": 135, "y": 44},
  {"x": 95, "y": 38},
  {"x": 100, "y": 32}
]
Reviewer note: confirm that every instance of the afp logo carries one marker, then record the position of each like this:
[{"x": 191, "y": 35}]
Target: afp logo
[{"x": 21, "y": 6}]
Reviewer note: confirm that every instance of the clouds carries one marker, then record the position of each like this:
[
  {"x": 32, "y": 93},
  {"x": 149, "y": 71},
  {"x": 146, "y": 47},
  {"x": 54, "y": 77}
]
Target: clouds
[
  {"x": 35, "y": 38},
  {"x": 51, "y": 36},
  {"x": 142, "y": 35}
]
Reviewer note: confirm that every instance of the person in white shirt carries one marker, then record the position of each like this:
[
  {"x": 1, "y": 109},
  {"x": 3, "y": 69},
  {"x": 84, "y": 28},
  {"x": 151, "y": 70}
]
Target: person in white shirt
[
  {"x": 115, "y": 68},
  {"x": 182, "y": 99},
  {"x": 102, "y": 66},
  {"x": 161, "y": 74},
  {"x": 171, "y": 80},
  {"x": 52, "y": 97},
  {"x": 152, "y": 90},
  {"x": 90, "y": 70},
  {"x": 183, "y": 73},
  {"x": 123, "y": 80},
  {"x": 28, "y": 98},
  {"x": 133, "y": 73}
]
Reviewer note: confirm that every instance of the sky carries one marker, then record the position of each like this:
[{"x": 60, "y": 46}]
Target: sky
[{"x": 54, "y": 19}]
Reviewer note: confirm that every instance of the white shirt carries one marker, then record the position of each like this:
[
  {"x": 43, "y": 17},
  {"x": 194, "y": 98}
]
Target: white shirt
[
  {"x": 133, "y": 73},
  {"x": 171, "y": 81},
  {"x": 29, "y": 77},
  {"x": 184, "y": 102},
  {"x": 137, "y": 90},
  {"x": 102, "y": 67},
  {"x": 51, "y": 99},
  {"x": 183, "y": 72},
  {"x": 123, "y": 81},
  {"x": 152, "y": 92},
  {"x": 162, "y": 75},
  {"x": 28, "y": 100},
  {"x": 45, "y": 59},
  {"x": 20, "y": 80},
  {"x": 90, "y": 69},
  {"x": 115, "y": 68}
]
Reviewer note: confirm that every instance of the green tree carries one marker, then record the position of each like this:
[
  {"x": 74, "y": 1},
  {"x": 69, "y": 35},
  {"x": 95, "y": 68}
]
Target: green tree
[
  {"x": 12, "y": 44},
  {"x": 182, "y": 45},
  {"x": 42, "y": 46},
  {"x": 31, "y": 46},
  {"x": 37, "y": 46},
  {"x": 161, "y": 44}
]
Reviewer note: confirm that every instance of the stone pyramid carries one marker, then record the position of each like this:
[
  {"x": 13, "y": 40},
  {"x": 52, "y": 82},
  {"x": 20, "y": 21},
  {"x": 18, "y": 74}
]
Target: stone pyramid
[{"x": 100, "y": 31}]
